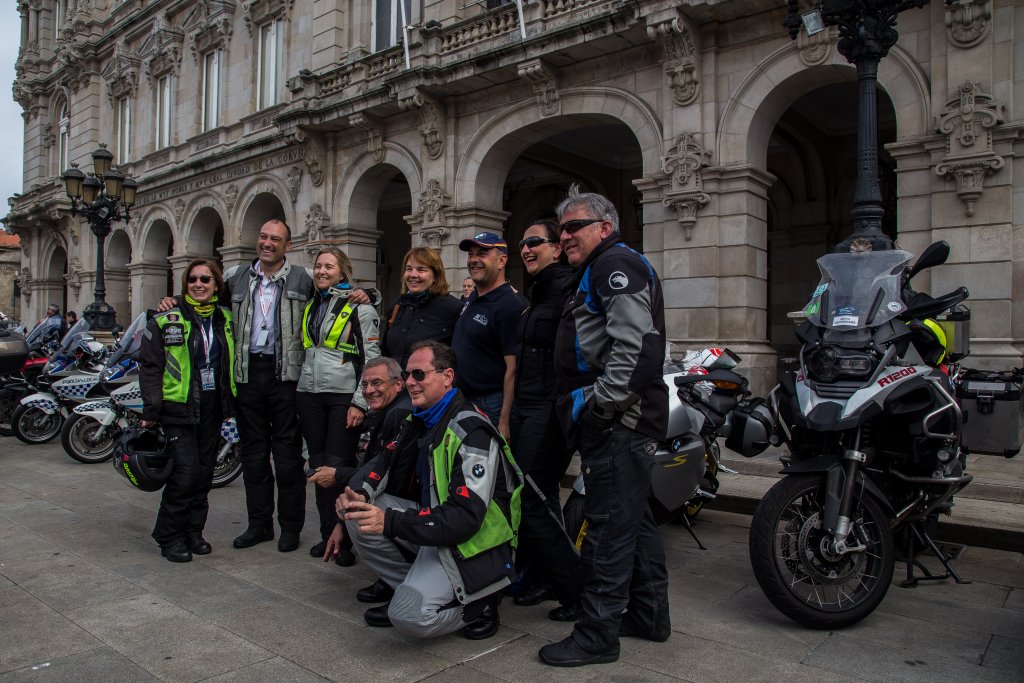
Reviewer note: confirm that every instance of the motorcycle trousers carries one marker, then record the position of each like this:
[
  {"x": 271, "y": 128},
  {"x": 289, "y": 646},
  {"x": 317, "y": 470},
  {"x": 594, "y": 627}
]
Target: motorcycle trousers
[{"x": 622, "y": 547}]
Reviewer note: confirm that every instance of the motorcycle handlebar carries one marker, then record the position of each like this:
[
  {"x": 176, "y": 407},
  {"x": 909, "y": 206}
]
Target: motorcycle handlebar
[{"x": 926, "y": 306}]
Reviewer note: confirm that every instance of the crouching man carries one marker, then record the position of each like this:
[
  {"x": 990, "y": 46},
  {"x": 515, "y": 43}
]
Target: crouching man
[{"x": 442, "y": 531}]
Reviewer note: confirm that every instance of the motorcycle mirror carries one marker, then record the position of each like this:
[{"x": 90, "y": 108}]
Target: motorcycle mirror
[{"x": 935, "y": 255}]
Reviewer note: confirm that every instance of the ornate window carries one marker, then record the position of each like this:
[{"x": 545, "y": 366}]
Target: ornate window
[
  {"x": 124, "y": 129},
  {"x": 387, "y": 22},
  {"x": 211, "y": 90},
  {"x": 164, "y": 110},
  {"x": 63, "y": 140},
  {"x": 271, "y": 63}
]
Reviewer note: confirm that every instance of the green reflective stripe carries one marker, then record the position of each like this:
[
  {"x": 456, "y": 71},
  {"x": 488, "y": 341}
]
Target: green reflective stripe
[
  {"x": 229, "y": 335},
  {"x": 177, "y": 368},
  {"x": 331, "y": 342},
  {"x": 306, "y": 341}
]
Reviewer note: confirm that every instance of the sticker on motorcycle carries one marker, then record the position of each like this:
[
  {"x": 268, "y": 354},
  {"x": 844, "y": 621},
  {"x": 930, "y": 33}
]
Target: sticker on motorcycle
[
  {"x": 812, "y": 308},
  {"x": 847, "y": 310},
  {"x": 845, "y": 321},
  {"x": 820, "y": 289},
  {"x": 894, "y": 306}
]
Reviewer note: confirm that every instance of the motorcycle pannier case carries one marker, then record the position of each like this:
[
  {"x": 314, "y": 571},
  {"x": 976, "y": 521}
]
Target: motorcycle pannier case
[
  {"x": 992, "y": 405},
  {"x": 13, "y": 352}
]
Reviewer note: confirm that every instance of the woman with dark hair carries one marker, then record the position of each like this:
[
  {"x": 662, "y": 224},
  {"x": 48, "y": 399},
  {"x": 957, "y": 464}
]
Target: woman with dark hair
[
  {"x": 186, "y": 375},
  {"x": 553, "y": 568},
  {"x": 339, "y": 337},
  {"x": 424, "y": 311}
]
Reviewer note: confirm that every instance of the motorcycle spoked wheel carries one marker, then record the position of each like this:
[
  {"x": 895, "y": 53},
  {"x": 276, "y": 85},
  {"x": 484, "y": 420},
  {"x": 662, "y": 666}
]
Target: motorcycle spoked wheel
[
  {"x": 33, "y": 426},
  {"x": 575, "y": 520},
  {"x": 81, "y": 440},
  {"x": 227, "y": 469},
  {"x": 709, "y": 483},
  {"x": 799, "y": 576}
]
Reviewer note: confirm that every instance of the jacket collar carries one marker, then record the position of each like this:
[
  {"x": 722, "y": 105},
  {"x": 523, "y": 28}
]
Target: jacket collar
[
  {"x": 280, "y": 274},
  {"x": 605, "y": 244}
]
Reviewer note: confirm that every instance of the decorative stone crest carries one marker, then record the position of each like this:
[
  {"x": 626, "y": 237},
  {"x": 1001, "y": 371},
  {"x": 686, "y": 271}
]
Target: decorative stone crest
[
  {"x": 817, "y": 49},
  {"x": 313, "y": 156},
  {"x": 681, "y": 58},
  {"x": 121, "y": 73},
  {"x": 433, "y": 237},
  {"x": 545, "y": 85},
  {"x": 683, "y": 164},
  {"x": 161, "y": 51},
  {"x": 433, "y": 201},
  {"x": 74, "y": 277},
  {"x": 429, "y": 110},
  {"x": 374, "y": 134},
  {"x": 294, "y": 181},
  {"x": 686, "y": 210},
  {"x": 968, "y": 21},
  {"x": 209, "y": 26},
  {"x": 26, "y": 284},
  {"x": 316, "y": 219},
  {"x": 179, "y": 209},
  {"x": 967, "y": 122},
  {"x": 231, "y": 196},
  {"x": 259, "y": 12},
  {"x": 73, "y": 234}
]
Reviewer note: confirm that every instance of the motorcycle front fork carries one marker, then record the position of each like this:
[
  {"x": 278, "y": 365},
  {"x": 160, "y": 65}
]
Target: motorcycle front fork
[{"x": 840, "y": 496}]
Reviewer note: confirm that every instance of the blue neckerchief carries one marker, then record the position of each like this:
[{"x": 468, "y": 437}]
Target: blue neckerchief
[
  {"x": 431, "y": 415},
  {"x": 327, "y": 291}
]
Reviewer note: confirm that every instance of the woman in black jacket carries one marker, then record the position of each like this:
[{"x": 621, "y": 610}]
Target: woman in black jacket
[
  {"x": 186, "y": 377},
  {"x": 538, "y": 443},
  {"x": 424, "y": 311}
]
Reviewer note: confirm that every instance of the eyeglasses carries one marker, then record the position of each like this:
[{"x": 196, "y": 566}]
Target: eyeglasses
[
  {"x": 417, "y": 374},
  {"x": 205, "y": 279},
  {"x": 572, "y": 227},
  {"x": 373, "y": 384},
  {"x": 534, "y": 242}
]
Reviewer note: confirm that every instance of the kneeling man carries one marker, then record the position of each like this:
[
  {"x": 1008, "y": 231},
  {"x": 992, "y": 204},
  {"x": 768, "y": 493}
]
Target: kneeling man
[{"x": 443, "y": 530}]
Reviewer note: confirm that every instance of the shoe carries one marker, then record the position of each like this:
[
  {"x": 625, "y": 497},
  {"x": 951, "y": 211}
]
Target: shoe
[
  {"x": 199, "y": 546},
  {"x": 253, "y": 536},
  {"x": 378, "y": 616},
  {"x": 565, "y": 613},
  {"x": 485, "y": 626},
  {"x": 317, "y": 550},
  {"x": 289, "y": 541},
  {"x": 628, "y": 630},
  {"x": 534, "y": 596},
  {"x": 378, "y": 592},
  {"x": 568, "y": 653},
  {"x": 345, "y": 558},
  {"x": 177, "y": 552}
]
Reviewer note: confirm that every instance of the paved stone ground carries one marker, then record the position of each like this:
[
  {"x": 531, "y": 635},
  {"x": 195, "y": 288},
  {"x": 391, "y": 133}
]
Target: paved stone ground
[{"x": 85, "y": 595}]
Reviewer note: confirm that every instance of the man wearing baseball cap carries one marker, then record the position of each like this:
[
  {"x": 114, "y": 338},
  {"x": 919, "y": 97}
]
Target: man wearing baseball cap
[{"x": 484, "y": 340}]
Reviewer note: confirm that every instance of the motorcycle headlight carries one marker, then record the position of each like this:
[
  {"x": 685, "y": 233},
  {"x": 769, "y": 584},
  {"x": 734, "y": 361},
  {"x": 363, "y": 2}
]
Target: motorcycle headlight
[
  {"x": 829, "y": 363},
  {"x": 856, "y": 366},
  {"x": 824, "y": 364}
]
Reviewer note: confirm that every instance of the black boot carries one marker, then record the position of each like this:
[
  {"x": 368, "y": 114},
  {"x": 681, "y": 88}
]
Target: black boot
[
  {"x": 485, "y": 626},
  {"x": 177, "y": 552},
  {"x": 569, "y": 653}
]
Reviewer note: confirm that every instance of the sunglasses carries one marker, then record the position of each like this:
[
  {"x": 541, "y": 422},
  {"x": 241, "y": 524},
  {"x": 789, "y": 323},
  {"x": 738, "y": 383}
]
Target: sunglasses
[
  {"x": 534, "y": 242},
  {"x": 205, "y": 279},
  {"x": 417, "y": 374},
  {"x": 572, "y": 227}
]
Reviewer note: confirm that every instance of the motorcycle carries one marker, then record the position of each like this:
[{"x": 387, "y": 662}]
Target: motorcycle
[
  {"x": 711, "y": 401},
  {"x": 873, "y": 433}
]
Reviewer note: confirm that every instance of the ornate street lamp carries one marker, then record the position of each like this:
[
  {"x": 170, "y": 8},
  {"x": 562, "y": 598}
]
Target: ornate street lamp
[
  {"x": 866, "y": 32},
  {"x": 106, "y": 196}
]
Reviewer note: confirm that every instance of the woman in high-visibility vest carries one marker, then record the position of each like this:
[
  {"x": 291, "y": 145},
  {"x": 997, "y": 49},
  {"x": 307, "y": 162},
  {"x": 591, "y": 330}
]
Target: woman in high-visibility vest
[
  {"x": 339, "y": 337},
  {"x": 186, "y": 375}
]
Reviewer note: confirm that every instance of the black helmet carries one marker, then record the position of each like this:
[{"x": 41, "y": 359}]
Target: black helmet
[{"x": 139, "y": 458}]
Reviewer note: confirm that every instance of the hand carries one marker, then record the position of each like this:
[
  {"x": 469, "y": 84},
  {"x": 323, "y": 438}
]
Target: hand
[
  {"x": 355, "y": 417},
  {"x": 504, "y": 428},
  {"x": 347, "y": 498},
  {"x": 324, "y": 477},
  {"x": 359, "y": 296},
  {"x": 334, "y": 542},
  {"x": 370, "y": 518},
  {"x": 147, "y": 424},
  {"x": 167, "y": 303},
  {"x": 595, "y": 432}
]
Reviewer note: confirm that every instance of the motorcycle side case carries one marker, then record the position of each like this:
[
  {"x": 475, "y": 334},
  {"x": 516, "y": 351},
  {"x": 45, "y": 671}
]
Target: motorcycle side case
[
  {"x": 678, "y": 470},
  {"x": 993, "y": 405},
  {"x": 13, "y": 352}
]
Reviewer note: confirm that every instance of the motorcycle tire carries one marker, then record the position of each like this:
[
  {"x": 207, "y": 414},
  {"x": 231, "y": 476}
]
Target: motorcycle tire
[
  {"x": 32, "y": 426},
  {"x": 78, "y": 436},
  {"x": 575, "y": 520},
  {"x": 228, "y": 469},
  {"x": 793, "y": 568}
]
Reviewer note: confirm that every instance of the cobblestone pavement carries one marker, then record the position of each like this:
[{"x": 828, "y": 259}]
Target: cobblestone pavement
[{"x": 85, "y": 595}]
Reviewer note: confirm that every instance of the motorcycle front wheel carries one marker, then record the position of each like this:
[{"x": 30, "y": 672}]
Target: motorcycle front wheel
[
  {"x": 791, "y": 559},
  {"x": 32, "y": 426},
  {"x": 228, "y": 467},
  {"x": 81, "y": 439}
]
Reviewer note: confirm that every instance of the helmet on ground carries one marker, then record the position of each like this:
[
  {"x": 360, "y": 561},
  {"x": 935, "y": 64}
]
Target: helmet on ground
[{"x": 139, "y": 457}]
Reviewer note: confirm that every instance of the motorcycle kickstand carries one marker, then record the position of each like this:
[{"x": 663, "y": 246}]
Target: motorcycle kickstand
[
  {"x": 923, "y": 536},
  {"x": 689, "y": 527}
]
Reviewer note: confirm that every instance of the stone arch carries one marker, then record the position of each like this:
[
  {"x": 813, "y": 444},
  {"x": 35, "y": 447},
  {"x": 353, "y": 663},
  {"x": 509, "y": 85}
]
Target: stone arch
[
  {"x": 157, "y": 241},
  {"x": 360, "y": 186},
  {"x": 119, "y": 249},
  {"x": 259, "y": 201},
  {"x": 781, "y": 78},
  {"x": 481, "y": 172},
  {"x": 203, "y": 228}
]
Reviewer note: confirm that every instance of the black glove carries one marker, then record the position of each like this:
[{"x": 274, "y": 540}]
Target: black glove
[{"x": 595, "y": 432}]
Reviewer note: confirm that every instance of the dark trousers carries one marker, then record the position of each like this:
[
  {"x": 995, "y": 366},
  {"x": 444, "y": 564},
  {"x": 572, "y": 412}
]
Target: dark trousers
[
  {"x": 268, "y": 426},
  {"x": 330, "y": 444},
  {"x": 539, "y": 448},
  {"x": 622, "y": 547},
  {"x": 193, "y": 448}
]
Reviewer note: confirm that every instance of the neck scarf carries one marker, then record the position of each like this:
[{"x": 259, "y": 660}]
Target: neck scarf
[
  {"x": 431, "y": 415},
  {"x": 204, "y": 310}
]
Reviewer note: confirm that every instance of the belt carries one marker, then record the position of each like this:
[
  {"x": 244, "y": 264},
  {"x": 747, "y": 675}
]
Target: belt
[{"x": 256, "y": 357}]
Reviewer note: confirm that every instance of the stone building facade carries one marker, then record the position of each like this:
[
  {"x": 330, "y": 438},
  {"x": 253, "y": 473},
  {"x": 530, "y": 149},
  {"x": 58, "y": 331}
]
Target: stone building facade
[{"x": 729, "y": 148}]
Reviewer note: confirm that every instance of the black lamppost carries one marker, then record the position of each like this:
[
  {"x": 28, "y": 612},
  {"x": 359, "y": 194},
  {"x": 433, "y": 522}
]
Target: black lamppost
[
  {"x": 866, "y": 32},
  {"x": 106, "y": 196}
]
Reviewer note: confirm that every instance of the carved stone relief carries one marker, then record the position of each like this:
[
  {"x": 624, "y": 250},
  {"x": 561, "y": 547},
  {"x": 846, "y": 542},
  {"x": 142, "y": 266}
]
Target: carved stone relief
[
  {"x": 968, "y": 21},
  {"x": 433, "y": 237},
  {"x": 681, "y": 58},
  {"x": 967, "y": 122},
  {"x": 179, "y": 209},
  {"x": 431, "y": 116},
  {"x": 209, "y": 26},
  {"x": 121, "y": 73},
  {"x": 683, "y": 165},
  {"x": 161, "y": 51},
  {"x": 294, "y": 182},
  {"x": 259, "y": 12},
  {"x": 374, "y": 134},
  {"x": 433, "y": 201},
  {"x": 545, "y": 85},
  {"x": 817, "y": 49},
  {"x": 74, "y": 277},
  {"x": 231, "y": 196},
  {"x": 316, "y": 219}
]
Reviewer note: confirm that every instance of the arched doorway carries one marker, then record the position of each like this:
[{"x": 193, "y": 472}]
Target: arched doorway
[
  {"x": 152, "y": 277},
  {"x": 54, "y": 289},
  {"x": 812, "y": 153},
  {"x": 206, "y": 235},
  {"x": 116, "y": 276},
  {"x": 264, "y": 206},
  {"x": 395, "y": 240}
]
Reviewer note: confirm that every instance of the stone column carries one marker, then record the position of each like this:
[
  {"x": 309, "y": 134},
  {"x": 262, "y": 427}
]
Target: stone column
[
  {"x": 117, "y": 281},
  {"x": 237, "y": 255},
  {"x": 461, "y": 222},
  {"x": 178, "y": 264},
  {"x": 148, "y": 284},
  {"x": 359, "y": 243}
]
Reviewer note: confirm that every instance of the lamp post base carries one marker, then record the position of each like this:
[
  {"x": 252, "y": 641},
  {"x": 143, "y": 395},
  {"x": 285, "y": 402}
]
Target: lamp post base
[{"x": 101, "y": 316}]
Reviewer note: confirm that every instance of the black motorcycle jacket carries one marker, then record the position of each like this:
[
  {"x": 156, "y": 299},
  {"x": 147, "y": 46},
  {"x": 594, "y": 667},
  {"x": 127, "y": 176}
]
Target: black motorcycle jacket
[
  {"x": 416, "y": 318},
  {"x": 535, "y": 356}
]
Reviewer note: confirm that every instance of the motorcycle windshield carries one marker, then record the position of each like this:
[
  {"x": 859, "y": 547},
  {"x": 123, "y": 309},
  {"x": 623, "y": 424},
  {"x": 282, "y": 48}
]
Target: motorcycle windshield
[
  {"x": 73, "y": 336},
  {"x": 129, "y": 343},
  {"x": 39, "y": 333},
  {"x": 859, "y": 290}
]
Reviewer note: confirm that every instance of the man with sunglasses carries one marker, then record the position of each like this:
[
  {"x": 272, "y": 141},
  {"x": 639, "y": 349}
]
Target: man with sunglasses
[
  {"x": 609, "y": 353},
  {"x": 436, "y": 514}
]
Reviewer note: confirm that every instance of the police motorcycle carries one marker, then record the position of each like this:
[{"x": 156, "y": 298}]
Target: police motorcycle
[
  {"x": 40, "y": 415},
  {"x": 22, "y": 359},
  {"x": 711, "y": 401},
  {"x": 874, "y": 438},
  {"x": 104, "y": 423}
]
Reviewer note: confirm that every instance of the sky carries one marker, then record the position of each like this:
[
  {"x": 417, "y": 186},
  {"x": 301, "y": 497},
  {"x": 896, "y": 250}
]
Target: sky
[{"x": 11, "y": 145}]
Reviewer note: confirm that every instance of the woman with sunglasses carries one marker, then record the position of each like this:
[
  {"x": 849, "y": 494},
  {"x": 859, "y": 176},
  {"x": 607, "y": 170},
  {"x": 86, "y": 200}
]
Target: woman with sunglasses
[
  {"x": 553, "y": 568},
  {"x": 186, "y": 376},
  {"x": 424, "y": 311},
  {"x": 339, "y": 337}
]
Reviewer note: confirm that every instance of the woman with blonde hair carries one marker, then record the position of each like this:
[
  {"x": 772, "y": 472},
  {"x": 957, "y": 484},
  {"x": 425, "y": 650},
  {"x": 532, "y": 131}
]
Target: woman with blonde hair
[{"x": 424, "y": 311}]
